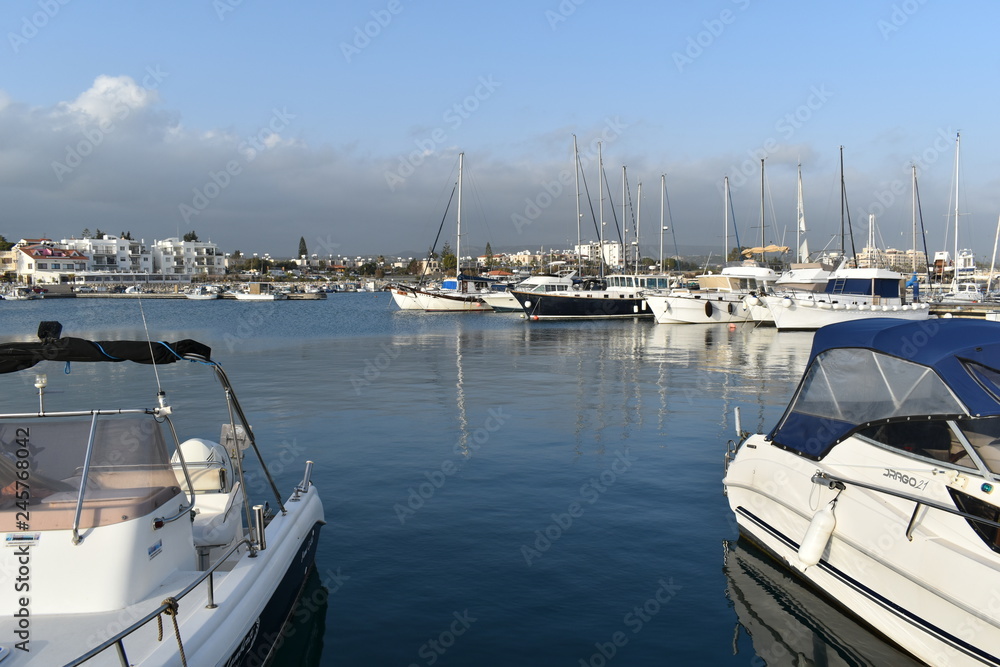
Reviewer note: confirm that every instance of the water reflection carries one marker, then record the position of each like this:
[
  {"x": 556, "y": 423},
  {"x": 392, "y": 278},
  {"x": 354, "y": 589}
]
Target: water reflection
[{"x": 789, "y": 623}]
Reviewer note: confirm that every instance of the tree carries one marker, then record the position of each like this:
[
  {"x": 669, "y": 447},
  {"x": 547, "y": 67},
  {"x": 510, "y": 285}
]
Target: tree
[
  {"x": 191, "y": 236},
  {"x": 303, "y": 251},
  {"x": 489, "y": 256},
  {"x": 413, "y": 268},
  {"x": 448, "y": 259},
  {"x": 85, "y": 233},
  {"x": 237, "y": 254},
  {"x": 98, "y": 234},
  {"x": 5, "y": 244},
  {"x": 736, "y": 254}
]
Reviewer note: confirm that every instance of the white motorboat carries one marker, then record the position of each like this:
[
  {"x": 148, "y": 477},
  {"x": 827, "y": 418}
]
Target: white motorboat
[
  {"x": 851, "y": 294},
  {"x": 720, "y": 297},
  {"x": 504, "y": 301},
  {"x": 23, "y": 293},
  {"x": 112, "y": 525},
  {"x": 202, "y": 293},
  {"x": 259, "y": 292},
  {"x": 964, "y": 293},
  {"x": 879, "y": 484}
]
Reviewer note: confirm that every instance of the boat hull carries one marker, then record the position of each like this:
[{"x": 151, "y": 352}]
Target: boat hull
[
  {"x": 810, "y": 313},
  {"x": 597, "y": 305},
  {"x": 699, "y": 308},
  {"x": 907, "y": 589}
]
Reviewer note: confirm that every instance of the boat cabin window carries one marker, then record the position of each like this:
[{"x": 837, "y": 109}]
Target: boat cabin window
[
  {"x": 929, "y": 439},
  {"x": 130, "y": 473}
]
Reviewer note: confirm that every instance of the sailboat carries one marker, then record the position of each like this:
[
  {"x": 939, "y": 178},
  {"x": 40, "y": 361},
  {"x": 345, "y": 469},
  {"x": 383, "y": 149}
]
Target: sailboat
[
  {"x": 719, "y": 297},
  {"x": 616, "y": 296},
  {"x": 850, "y": 293},
  {"x": 459, "y": 294}
]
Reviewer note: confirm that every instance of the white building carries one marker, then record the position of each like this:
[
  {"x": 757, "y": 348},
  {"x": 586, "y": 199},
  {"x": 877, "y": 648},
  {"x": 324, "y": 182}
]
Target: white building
[
  {"x": 112, "y": 254},
  {"x": 191, "y": 258},
  {"x": 40, "y": 261}
]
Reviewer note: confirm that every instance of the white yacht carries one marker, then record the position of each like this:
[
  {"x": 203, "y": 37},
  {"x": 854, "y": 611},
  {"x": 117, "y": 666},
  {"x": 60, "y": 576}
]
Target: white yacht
[
  {"x": 879, "y": 485},
  {"x": 114, "y": 526}
]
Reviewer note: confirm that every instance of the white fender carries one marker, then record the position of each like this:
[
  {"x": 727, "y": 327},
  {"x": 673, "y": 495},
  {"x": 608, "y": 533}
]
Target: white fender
[{"x": 817, "y": 536}]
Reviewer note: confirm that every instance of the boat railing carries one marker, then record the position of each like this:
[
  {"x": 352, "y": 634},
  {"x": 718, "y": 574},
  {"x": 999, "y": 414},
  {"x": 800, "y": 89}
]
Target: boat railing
[
  {"x": 835, "y": 482},
  {"x": 168, "y": 605}
]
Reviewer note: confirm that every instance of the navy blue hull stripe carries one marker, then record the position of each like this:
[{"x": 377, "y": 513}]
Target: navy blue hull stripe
[{"x": 881, "y": 600}]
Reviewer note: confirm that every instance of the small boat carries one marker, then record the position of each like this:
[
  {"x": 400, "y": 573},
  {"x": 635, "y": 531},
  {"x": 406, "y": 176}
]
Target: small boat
[
  {"x": 259, "y": 292},
  {"x": 720, "y": 297},
  {"x": 23, "y": 293},
  {"x": 879, "y": 484},
  {"x": 114, "y": 526},
  {"x": 967, "y": 292},
  {"x": 202, "y": 293}
]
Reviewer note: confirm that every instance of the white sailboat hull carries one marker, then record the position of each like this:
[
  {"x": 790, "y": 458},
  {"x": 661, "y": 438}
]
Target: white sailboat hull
[{"x": 698, "y": 308}]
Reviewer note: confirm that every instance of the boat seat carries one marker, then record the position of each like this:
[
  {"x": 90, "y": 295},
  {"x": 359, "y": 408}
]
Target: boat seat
[{"x": 217, "y": 526}]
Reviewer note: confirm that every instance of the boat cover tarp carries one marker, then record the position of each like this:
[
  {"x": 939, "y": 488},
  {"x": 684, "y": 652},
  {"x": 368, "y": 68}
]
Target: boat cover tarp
[
  {"x": 19, "y": 356},
  {"x": 863, "y": 371}
]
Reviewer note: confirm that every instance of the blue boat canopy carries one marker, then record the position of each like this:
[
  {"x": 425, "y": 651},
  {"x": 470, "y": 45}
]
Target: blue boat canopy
[{"x": 880, "y": 370}]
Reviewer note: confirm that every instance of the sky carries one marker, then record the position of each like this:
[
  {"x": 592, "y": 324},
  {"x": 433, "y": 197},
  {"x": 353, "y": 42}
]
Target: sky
[{"x": 256, "y": 123}]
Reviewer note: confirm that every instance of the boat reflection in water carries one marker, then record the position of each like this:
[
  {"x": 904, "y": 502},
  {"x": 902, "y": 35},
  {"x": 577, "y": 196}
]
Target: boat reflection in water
[{"x": 790, "y": 624}]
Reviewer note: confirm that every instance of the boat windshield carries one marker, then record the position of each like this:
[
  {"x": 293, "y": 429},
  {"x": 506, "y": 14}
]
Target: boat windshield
[
  {"x": 42, "y": 465},
  {"x": 943, "y": 440},
  {"x": 846, "y": 388}
]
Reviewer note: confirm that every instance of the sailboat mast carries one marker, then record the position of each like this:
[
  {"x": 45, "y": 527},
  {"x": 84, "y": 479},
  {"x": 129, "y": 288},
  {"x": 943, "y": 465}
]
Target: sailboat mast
[
  {"x": 600, "y": 206},
  {"x": 458, "y": 233},
  {"x": 762, "y": 211},
  {"x": 913, "y": 178},
  {"x": 954, "y": 262},
  {"x": 638, "y": 213},
  {"x": 663, "y": 190},
  {"x": 576, "y": 170},
  {"x": 801, "y": 220},
  {"x": 624, "y": 225},
  {"x": 725, "y": 234},
  {"x": 841, "y": 203}
]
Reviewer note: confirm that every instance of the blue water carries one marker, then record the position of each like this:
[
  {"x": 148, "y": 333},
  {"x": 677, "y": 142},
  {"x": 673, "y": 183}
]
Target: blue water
[{"x": 496, "y": 492}]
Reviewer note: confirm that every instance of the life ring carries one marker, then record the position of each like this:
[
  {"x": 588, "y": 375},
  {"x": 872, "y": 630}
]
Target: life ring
[{"x": 708, "y": 309}]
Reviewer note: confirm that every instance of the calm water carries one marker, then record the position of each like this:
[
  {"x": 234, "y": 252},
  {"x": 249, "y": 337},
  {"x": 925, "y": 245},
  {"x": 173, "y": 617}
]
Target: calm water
[{"x": 497, "y": 492}]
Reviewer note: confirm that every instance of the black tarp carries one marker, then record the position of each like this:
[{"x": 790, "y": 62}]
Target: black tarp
[{"x": 19, "y": 356}]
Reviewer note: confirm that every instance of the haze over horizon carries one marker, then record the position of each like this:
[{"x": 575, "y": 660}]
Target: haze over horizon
[{"x": 255, "y": 124}]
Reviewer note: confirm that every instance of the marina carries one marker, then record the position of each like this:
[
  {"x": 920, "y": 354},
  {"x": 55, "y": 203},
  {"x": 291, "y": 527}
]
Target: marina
[{"x": 558, "y": 483}]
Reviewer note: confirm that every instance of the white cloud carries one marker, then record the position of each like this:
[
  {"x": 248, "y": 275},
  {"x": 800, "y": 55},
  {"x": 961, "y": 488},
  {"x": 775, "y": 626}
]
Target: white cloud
[{"x": 110, "y": 98}]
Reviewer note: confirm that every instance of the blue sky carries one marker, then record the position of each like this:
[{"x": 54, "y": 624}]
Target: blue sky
[{"x": 255, "y": 123}]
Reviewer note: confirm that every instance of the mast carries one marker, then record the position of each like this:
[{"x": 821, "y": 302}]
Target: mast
[
  {"x": 458, "y": 234},
  {"x": 954, "y": 262},
  {"x": 762, "y": 211},
  {"x": 600, "y": 206},
  {"x": 725, "y": 235},
  {"x": 842, "y": 204},
  {"x": 663, "y": 190},
  {"x": 624, "y": 226},
  {"x": 993, "y": 262},
  {"x": 913, "y": 178},
  {"x": 576, "y": 170},
  {"x": 801, "y": 216},
  {"x": 638, "y": 212}
]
